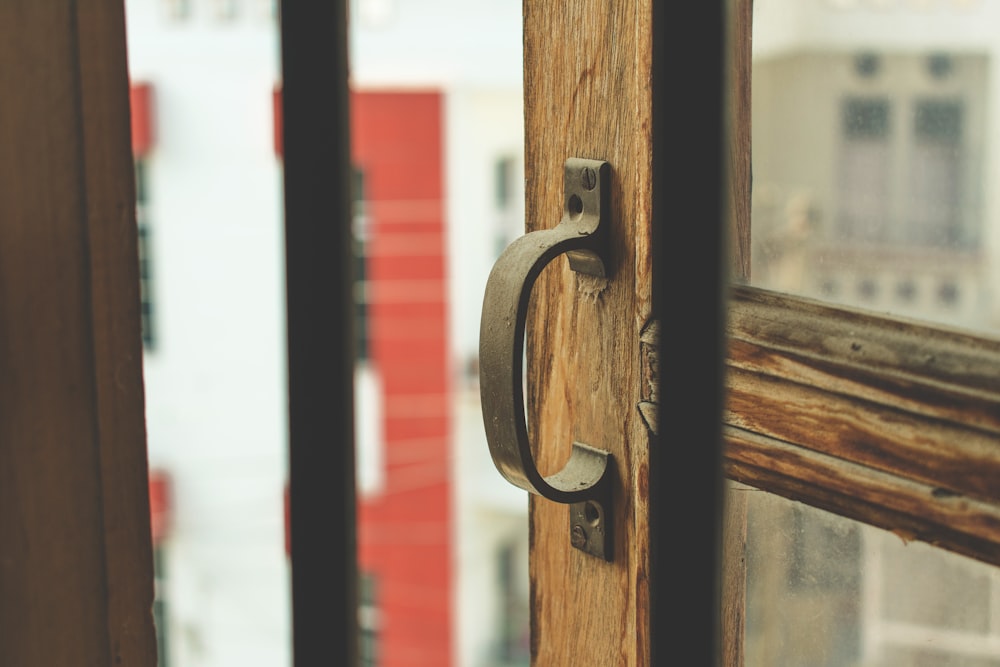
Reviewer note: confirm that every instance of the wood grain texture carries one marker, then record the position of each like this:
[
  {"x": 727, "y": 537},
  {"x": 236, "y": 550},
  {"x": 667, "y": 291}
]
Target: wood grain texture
[
  {"x": 884, "y": 420},
  {"x": 734, "y": 527},
  {"x": 117, "y": 336},
  {"x": 583, "y": 339},
  {"x": 76, "y": 572},
  {"x": 740, "y": 180}
]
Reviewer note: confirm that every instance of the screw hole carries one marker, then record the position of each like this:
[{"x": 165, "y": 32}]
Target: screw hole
[
  {"x": 575, "y": 206},
  {"x": 591, "y": 512}
]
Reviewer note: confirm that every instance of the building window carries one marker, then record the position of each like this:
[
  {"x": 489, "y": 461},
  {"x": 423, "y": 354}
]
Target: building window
[
  {"x": 934, "y": 206},
  {"x": 506, "y": 203},
  {"x": 147, "y": 311},
  {"x": 359, "y": 227},
  {"x": 864, "y": 172},
  {"x": 176, "y": 10},
  {"x": 368, "y": 621},
  {"x": 160, "y": 606}
]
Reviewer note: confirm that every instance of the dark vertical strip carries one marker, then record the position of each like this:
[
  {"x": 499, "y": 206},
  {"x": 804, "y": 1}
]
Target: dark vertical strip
[
  {"x": 689, "y": 273},
  {"x": 320, "y": 332}
]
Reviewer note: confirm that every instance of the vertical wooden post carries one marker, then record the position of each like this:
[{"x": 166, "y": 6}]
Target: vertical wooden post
[
  {"x": 740, "y": 23},
  {"x": 642, "y": 87},
  {"x": 587, "y": 74},
  {"x": 76, "y": 580}
]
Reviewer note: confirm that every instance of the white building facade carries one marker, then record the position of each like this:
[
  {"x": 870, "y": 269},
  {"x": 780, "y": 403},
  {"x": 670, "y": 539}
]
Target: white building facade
[{"x": 215, "y": 363}]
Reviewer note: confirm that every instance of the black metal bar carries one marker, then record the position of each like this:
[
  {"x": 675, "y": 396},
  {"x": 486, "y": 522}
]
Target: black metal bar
[
  {"x": 319, "y": 336},
  {"x": 690, "y": 274}
]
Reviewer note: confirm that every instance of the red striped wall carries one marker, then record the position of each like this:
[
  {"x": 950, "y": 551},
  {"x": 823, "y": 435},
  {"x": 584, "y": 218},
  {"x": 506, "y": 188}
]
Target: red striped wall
[{"x": 404, "y": 531}]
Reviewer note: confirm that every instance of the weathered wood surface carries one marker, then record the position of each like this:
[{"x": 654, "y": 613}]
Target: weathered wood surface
[
  {"x": 76, "y": 582},
  {"x": 587, "y": 77},
  {"x": 738, "y": 87},
  {"x": 884, "y": 420},
  {"x": 734, "y": 528}
]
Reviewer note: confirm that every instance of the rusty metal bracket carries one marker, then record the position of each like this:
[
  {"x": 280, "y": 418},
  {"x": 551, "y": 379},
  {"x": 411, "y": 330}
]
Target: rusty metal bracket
[{"x": 585, "y": 483}]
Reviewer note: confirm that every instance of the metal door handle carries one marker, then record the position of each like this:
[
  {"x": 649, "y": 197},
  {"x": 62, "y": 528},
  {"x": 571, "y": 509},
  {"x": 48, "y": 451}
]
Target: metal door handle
[{"x": 585, "y": 481}]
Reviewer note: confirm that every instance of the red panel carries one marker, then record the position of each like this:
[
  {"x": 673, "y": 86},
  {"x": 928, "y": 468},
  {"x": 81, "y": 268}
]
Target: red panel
[
  {"x": 277, "y": 115},
  {"x": 406, "y": 429},
  {"x": 402, "y": 309},
  {"x": 416, "y": 376},
  {"x": 400, "y": 132},
  {"x": 159, "y": 504},
  {"x": 404, "y": 533},
  {"x": 421, "y": 267},
  {"x": 401, "y": 354},
  {"x": 141, "y": 101}
]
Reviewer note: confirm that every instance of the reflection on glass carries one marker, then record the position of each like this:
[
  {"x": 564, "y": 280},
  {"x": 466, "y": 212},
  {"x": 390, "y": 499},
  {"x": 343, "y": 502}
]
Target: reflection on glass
[
  {"x": 872, "y": 153},
  {"x": 824, "y": 591}
]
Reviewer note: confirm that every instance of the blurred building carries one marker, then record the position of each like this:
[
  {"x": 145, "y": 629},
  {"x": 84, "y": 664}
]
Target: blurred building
[
  {"x": 438, "y": 176},
  {"x": 875, "y": 151}
]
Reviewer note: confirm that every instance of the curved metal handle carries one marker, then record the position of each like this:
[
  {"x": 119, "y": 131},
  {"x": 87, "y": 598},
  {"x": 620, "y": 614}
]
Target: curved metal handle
[{"x": 582, "y": 234}]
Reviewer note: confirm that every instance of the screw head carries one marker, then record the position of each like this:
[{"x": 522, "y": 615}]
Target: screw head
[
  {"x": 589, "y": 178},
  {"x": 578, "y": 538}
]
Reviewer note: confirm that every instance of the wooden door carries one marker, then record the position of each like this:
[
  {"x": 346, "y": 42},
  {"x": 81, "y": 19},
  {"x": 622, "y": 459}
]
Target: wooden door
[
  {"x": 76, "y": 569},
  {"x": 888, "y": 422}
]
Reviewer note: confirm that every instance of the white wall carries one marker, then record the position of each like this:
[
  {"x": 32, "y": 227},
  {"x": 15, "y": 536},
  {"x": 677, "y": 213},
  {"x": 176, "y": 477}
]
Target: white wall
[
  {"x": 215, "y": 383},
  {"x": 784, "y": 25},
  {"x": 441, "y": 43}
]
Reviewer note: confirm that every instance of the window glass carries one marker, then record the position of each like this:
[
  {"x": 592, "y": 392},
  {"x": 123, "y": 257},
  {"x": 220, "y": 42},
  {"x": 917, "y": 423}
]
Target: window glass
[
  {"x": 438, "y": 172},
  {"x": 873, "y": 150},
  {"x": 873, "y": 147},
  {"x": 825, "y": 591}
]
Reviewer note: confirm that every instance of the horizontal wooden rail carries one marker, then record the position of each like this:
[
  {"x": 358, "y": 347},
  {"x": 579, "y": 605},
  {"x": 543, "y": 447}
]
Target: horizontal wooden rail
[{"x": 884, "y": 420}]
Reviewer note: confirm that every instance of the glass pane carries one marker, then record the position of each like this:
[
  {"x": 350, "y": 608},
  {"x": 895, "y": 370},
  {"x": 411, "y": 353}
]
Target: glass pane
[
  {"x": 209, "y": 212},
  {"x": 824, "y": 591},
  {"x": 437, "y": 147},
  {"x": 873, "y": 149},
  {"x": 437, "y": 143}
]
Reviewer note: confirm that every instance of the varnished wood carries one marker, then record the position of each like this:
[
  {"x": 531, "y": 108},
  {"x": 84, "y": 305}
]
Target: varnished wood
[
  {"x": 117, "y": 342},
  {"x": 884, "y": 420},
  {"x": 587, "y": 74},
  {"x": 76, "y": 581}
]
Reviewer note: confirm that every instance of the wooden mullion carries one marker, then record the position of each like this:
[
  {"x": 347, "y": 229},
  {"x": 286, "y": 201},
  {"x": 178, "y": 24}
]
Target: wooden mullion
[
  {"x": 872, "y": 345},
  {"x": 734, "y": 543},
  {"x": 910, "y": 510},
  {"x": 886, "y": 420}
]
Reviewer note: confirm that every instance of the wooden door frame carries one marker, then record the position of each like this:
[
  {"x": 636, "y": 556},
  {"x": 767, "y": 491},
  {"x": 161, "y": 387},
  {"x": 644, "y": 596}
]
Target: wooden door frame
[
  {"x": 588, "y": 69},
  {"x": 76, "y": 573}
]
